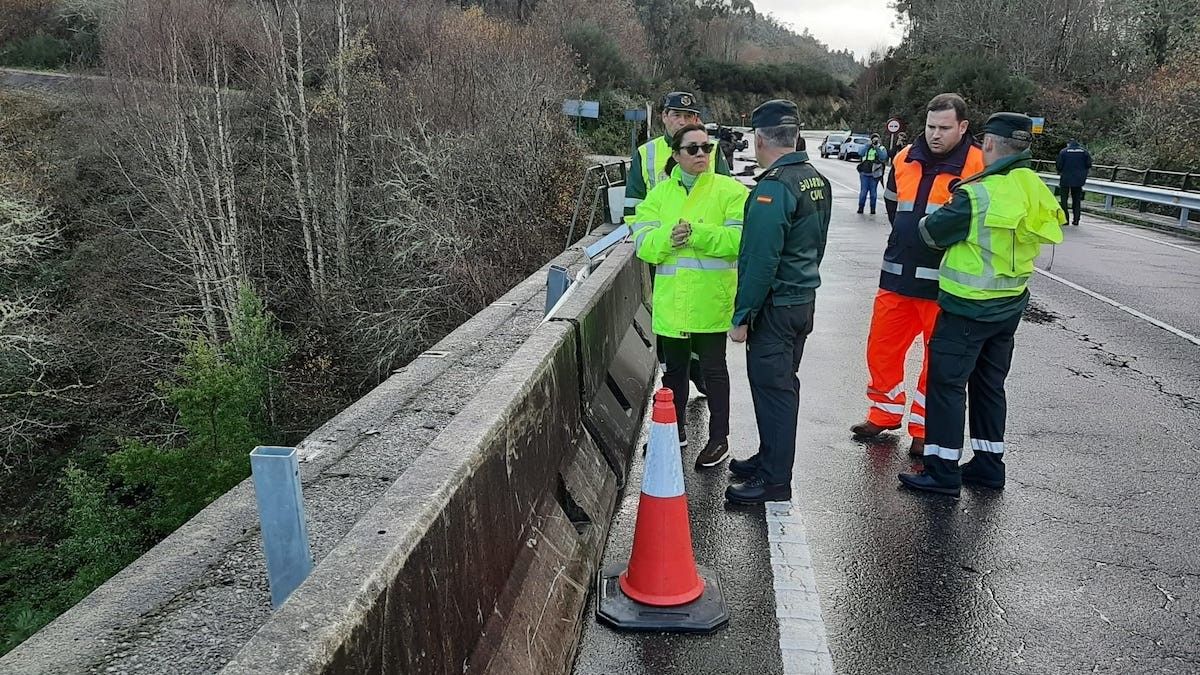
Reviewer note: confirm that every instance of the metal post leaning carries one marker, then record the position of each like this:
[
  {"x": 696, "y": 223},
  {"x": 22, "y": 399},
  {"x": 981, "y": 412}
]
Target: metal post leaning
[
  {"x": 558, "y": 280},
  {"x": 276, "y": 475}
]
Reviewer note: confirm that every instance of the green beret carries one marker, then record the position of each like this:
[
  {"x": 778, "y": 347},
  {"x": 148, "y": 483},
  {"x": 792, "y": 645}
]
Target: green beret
[
  {"x": 1010, "y": 125},
  {"x": 775, "y": 113}
]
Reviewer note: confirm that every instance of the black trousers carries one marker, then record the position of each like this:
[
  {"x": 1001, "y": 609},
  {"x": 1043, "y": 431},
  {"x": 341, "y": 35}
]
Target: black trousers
[
  {"x": 968, "y": 363},
  {"x": 1076, "y": 194},
  {"x": 773, "y": 355},
  {"x": 710, "y": 348}
]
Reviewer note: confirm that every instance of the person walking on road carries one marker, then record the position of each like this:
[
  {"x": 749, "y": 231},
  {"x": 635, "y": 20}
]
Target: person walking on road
[
  {"x": 906, "y": 304},
  {"x": 991, "y": 231},
  {"x": 690, "y": 228},
  {"x": 787, "y": 223},
  {"x": 870, "y": 172},
  {"x": 1074, "y": 162}
]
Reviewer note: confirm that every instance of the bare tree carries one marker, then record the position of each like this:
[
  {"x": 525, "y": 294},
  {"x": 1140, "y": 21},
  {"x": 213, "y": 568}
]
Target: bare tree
[{"x": 26, "y": 348}]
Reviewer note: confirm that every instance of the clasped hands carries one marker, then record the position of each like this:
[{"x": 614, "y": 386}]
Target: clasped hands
[{"x": 680, "y": 234}]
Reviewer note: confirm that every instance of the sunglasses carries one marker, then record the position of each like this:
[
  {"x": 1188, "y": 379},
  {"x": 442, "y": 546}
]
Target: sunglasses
[{"x": 707, "y": 149}]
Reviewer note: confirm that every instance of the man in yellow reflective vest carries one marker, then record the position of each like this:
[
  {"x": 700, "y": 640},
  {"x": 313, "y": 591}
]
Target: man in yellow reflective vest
[
  {"x": 647, "y": 167},
  {"x": 992, "y": 230}
]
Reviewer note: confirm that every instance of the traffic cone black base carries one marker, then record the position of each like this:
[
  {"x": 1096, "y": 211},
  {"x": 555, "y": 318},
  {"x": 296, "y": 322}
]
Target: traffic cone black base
[{"x": 703, "y": 615}]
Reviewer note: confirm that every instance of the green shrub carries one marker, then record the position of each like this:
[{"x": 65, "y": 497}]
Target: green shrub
[
  {"x": 142, "y": 492},
  {"x": 36, "y": 51}
]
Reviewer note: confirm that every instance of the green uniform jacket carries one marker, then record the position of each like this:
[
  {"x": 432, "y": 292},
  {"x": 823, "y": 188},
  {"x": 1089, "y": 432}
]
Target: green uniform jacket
[
  {"x": 693, "y": 284},
  {"x": 783, "y": 240},
  {"x": 640, "y": 181},
  {"x": 994, "y": 227}
]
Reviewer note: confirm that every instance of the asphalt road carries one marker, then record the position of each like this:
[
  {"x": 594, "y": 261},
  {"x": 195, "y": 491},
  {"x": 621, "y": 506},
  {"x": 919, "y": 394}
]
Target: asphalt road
[{"x": 1088, "y": 562}]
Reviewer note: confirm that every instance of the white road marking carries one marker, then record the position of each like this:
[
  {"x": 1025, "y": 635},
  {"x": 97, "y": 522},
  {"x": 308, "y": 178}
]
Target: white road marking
[
  {"x": 803, "y": 642},
  {"x": 1142, "y": 236},
  {"x": 1124, "y": 308},
  {"x": 838, "y": 182}
]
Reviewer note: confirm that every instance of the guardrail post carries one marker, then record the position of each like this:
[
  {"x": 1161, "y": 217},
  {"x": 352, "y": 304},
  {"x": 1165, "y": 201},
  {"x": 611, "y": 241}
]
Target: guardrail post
[
  {"x": 1145, "y": 181},
  {"x": 1184, "y": 213},
  {"x": 1187, "y": 180},
  {"x": 1114, "y": 173},
  {"x": 1108, "y": 202},
  {"x": 276, "y": 474},
  {"x": 558, "y": 280}
]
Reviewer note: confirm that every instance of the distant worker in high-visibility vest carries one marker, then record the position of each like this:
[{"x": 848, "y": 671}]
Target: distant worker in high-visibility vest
[
  {"x": 690, "y": 229},
  {"x": 906, "y": 304},
  {"x": 991, "y": 231}
]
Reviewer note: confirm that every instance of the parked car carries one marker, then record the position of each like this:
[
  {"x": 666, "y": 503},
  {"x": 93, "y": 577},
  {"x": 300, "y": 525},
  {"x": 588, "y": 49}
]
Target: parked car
[
  {"x": 855, "y": 147},
  {"x": 833, "y": 144}
]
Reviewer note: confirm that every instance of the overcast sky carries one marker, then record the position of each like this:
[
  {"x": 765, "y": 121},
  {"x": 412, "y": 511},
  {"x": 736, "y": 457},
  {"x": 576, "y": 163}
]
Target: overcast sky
[{"x": 858, "y": 25}]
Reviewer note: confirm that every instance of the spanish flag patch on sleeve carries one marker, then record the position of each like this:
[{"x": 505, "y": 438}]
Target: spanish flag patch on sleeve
[{"x": 763, "y": 199}]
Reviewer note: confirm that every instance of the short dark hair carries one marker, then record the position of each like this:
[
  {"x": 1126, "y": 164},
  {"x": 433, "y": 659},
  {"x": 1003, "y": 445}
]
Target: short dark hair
[{"x": 948, "y": 102}]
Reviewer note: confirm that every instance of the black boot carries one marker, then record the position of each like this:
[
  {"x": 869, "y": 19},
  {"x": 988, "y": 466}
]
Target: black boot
[
  {"x": 986, "y": 469},
  {"x": 941, "y": 476},
  {"x": 744, "y": 469},
  {"x": 758, "y": 491}
]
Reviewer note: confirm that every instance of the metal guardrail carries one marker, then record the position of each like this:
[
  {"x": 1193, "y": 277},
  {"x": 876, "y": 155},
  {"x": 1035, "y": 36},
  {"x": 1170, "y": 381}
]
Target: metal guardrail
[
  {"x": 1185, "y": 181},
  {"x": 602, "y": 173},
  {"x": 1186, "y": 202}
]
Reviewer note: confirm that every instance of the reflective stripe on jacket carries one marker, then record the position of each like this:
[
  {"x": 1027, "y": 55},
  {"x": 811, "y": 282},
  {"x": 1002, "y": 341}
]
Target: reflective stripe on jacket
[
  {"x": 1012, "y": 215},
  {"x": 918, "y": 185},
  {"x": 694, "y": 286}
]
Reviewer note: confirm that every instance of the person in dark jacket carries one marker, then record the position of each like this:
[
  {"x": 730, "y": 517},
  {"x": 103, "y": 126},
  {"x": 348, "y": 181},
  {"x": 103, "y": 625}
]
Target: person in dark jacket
[
  {"x": 1074, "y": 162},
  {"x": 906, "y": 304},
  {"x": 783, "y": 242}
]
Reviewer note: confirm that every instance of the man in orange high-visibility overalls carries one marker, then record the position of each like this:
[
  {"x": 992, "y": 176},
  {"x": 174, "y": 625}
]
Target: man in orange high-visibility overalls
[{"x": 906, "y": 304}]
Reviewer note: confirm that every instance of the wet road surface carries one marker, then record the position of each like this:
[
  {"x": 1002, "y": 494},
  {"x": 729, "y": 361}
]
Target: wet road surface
[{"x": 1089, "y": 561}]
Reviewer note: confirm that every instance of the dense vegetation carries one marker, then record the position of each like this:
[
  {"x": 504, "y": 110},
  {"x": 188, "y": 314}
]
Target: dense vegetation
[
  {"x": 1123, "y": 76},
  {"x": 260, "y": 208}
]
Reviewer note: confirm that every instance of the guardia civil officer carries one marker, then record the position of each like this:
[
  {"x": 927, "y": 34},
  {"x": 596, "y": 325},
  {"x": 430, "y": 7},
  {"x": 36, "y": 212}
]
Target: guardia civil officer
[
  {"x": 783, "y": 242},
  {"x": 992, "y": 230}
]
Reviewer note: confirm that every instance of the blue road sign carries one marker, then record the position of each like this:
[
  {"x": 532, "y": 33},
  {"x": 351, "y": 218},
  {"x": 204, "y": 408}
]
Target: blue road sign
[
  {"x": 635, "y": 115},
  {"x": 581, "y": 108}
]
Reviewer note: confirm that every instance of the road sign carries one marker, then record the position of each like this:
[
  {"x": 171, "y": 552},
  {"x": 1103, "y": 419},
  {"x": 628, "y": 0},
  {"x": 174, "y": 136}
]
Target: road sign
[
  {"x": 581, "y": 108},
  {"x": 1039, "y": 124},
  {"x": 635, "y": 115},
  {"x": 894, "y": 125}
]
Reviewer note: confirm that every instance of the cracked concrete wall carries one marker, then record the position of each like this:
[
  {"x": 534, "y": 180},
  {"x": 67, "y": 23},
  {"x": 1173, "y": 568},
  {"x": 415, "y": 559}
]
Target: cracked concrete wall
[{"x": 190, "y": 603}]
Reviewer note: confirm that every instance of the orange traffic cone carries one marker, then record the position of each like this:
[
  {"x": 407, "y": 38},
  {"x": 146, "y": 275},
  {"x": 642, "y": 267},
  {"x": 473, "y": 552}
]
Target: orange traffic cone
[{"x": 662, "y": 571}]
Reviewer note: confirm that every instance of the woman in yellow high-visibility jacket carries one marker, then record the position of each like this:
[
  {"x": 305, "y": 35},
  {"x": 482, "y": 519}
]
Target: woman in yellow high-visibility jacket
[{"x": 690, "y": 228}]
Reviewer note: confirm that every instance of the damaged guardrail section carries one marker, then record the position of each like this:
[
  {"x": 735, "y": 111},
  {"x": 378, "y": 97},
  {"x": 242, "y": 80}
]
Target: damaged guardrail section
[{"x": 479, "y": 558}]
